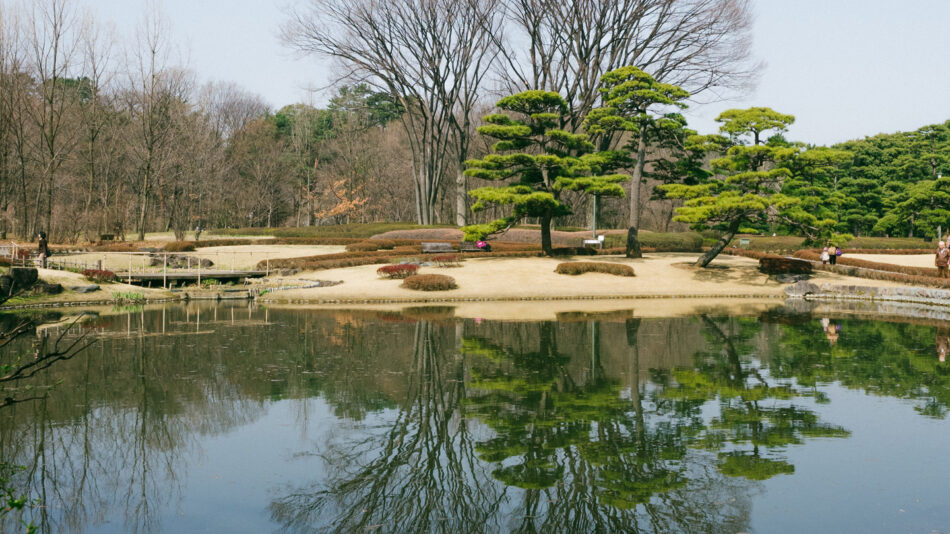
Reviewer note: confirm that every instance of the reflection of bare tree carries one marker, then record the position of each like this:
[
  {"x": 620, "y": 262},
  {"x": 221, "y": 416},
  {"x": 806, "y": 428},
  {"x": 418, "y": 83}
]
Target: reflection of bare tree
[
  {"x": 419, "y": 475},
  {"x": 113, "y": 442}
]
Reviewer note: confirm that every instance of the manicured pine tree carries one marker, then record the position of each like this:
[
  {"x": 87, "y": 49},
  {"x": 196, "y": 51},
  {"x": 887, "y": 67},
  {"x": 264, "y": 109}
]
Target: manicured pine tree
[
  {"x": 537, "y": 160},
  {"x": 634, "y": 103},
  {"x": 745, "y": 190}
]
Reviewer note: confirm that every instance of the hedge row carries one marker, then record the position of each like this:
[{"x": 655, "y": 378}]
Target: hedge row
[
  {"x": 888, "y": 251},
  {"x": 660, "y": 241},
  {"x": 429, "y": 282},
  {"x": 865, "y": 264},
  {"x": 860, "y": 272},
  {"x": 580, "y": 267}
]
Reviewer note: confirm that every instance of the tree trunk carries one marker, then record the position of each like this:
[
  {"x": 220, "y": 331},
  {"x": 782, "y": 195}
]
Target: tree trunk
[
  {"x": 633, "y": 242},
  {"x": 546, "y": 233},
  {"x": 460, "y": 211},
  {"x": 706, "y": 258}
]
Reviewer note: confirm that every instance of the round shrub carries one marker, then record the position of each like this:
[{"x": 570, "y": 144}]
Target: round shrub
[
  {"x": 99, "y": 276},
  {"x": 430, "y": 282},
  {"x": 397, "y": 271},
  {"x": 581, "y": 267}
]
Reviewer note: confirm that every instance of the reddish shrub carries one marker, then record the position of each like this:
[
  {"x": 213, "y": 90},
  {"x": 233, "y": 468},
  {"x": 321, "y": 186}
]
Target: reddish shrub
[
  {"x": 99, "y": 276},
  {"x": 429, "y": 282},
  {"x": 447, "y": 260},
  {"x": 581, "y": 267},
  {"x": 780, "y": 265},
  {"x": 397, "y": 271}
]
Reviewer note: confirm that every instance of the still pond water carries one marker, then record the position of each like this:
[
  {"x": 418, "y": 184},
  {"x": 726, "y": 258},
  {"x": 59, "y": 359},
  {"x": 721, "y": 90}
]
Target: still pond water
[{"x": 242, "y": 419}]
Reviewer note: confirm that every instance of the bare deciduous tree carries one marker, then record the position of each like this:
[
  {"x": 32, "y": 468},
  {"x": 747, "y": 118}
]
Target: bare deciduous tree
[{"x": 431, "y": 55}]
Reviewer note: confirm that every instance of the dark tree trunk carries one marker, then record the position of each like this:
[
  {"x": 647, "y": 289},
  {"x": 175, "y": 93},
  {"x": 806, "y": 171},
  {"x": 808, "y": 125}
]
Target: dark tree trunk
[
  {"x": 633, "y": 243},
  {"x": 711, "y": 254},
  {"x": 546, "y": 233}
]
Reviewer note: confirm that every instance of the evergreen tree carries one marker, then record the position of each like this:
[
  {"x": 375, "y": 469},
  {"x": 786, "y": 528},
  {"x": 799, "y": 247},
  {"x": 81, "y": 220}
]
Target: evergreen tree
[
  {"x": 542, "y": 159},
  {"x": 748, "y": 191},
  {"x": 633, "y": 101}
]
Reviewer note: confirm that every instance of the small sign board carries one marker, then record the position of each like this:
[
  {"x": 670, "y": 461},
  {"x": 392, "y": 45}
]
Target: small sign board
[{"x": 743, "y": 242}]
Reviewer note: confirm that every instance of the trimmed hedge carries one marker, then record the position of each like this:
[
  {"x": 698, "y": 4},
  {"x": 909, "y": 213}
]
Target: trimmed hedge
[
  {"x": 179, "y": 246},
  {"x": 429, "y": 282},
  {"x": 373, "y": 244},
  {"x": 659, "y": 241},
  {"x": 398, "y": 271},
  {"x": 447, "y": 260},
  {"x": 854, "y": 262},
  {"x": 780, "y": 265},
  {"x": 580, "y": 267}
]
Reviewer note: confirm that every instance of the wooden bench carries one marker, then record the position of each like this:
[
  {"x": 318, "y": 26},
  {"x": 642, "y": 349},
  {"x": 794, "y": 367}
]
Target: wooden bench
[{"x": 437, "y": 247}]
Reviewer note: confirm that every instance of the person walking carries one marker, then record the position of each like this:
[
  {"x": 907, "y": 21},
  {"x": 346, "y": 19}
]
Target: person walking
[
  {"x": 942, "y": 260},
  {"x": 833, "y": 253},
  {"x": 824, "y": 256},
  {"x": 42, "y": 249}
]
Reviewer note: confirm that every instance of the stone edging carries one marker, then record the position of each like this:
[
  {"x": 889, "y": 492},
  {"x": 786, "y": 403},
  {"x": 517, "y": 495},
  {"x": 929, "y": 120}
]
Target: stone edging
[{"x": 918, "y": 295}]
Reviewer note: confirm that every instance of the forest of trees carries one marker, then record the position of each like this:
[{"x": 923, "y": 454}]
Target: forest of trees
[{"x": 107, "y": 135}]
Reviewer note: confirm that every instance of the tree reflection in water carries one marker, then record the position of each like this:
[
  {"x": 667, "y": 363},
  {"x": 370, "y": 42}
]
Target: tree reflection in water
[
  {"x": 419, "y": 474},
  {"x": 607, "y": 423}
]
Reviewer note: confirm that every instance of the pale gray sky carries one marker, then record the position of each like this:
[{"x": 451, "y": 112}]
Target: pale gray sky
[{"x": 845, "y": 68}]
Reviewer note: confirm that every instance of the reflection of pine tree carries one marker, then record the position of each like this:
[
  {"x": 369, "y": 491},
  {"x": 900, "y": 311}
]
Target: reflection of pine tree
[
  {"x": 589, "y": 459},
  {"x": 883, "y": 358},
  {"x": 756, "y": 418}
]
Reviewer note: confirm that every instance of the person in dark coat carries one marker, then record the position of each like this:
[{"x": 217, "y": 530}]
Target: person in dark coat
[{"x": 43, "y": 249}]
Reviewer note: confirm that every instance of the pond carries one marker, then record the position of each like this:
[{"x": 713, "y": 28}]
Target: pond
[{"x": 245, "y": 419}]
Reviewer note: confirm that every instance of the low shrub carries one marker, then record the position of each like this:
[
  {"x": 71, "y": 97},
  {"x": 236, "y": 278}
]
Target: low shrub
[
  {"x": 660, "y": 241},
  {"x": 780, "y": 265},
  {"x": 111, "y": 246},
  {"x": 99, "y": 276},
  {"x": 179, "y": 246},
  {"x": 372, "y": 244},
  {"x": 580, "y": 267},
  {"x": 781, "y": 243},
  {"x": 573, "y": 251},
  {"x": 429, "y": 282},
  {"x": 398, "y": 271},
  {"x": 879, "y": 243},
  {"x": 447, "y": 260},
  {"x": 227, "y": 242}
]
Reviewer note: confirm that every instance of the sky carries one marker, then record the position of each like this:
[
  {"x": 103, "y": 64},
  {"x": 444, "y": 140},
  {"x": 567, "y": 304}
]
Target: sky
[{"x": 846, "y": 69}]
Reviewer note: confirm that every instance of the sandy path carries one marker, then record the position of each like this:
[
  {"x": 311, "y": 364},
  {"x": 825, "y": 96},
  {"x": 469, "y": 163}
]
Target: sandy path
[
  {"x": 658, "y": 275},
  {"x": 909, "y": 260}
]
